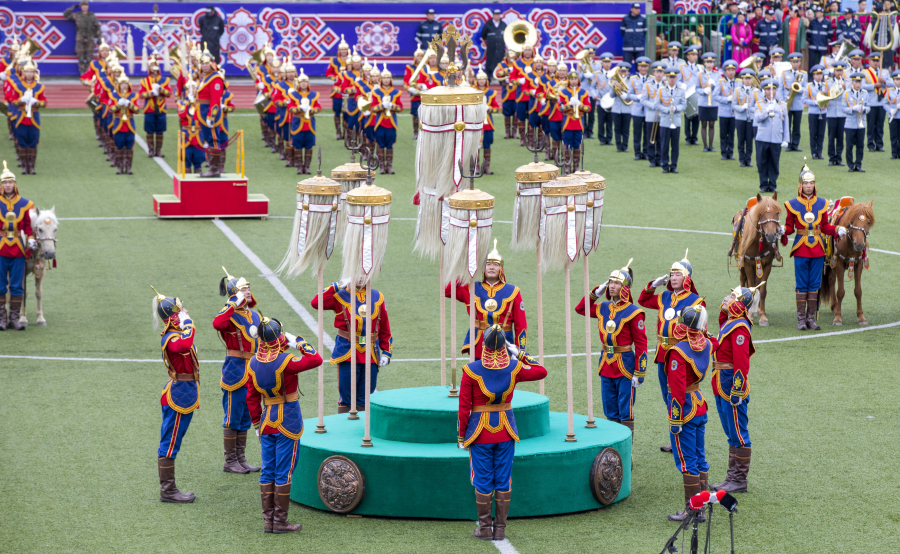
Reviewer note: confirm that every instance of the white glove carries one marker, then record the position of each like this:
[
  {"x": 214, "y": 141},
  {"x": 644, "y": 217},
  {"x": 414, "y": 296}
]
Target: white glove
[
  {"x": 641, "y": 97},
  {"x": 292, "y": 340},
  {"x": 461, "y": 447},
  {"x": 575, "y": 102},
  {"x": 729, "y": 98},
  {"x": 598, "y": 292},
  {"x": 209, "y": 122},
  {"x": 383, "y": 361},
  {"x": 842, "y": 232},
  {"x": 2, "y": 77},
  {"x": 771, "y": 113},
  {"x": 784, "y": 144},
  {"x": 513, "y": 351},
  {"x": 635, "y": 383},
  {"x": 367, "y": 113},
  {"x": 183, "y": 318},
  {"x": 239, "y": 298},
  {"x": 261, "y": 86},
  {"x": 588, "y": 75},
  {"x": 659, "y": 281},
  {"x": 123, "y": 101},
  {"x": 706, "y": 90},
  {"x": 386, "y": 104},
  {"x": 343, "y": 283},
  {"x": 521, "y": 80},
  {"x": 155, "y": 89},
  {"x": 190, "y": 98},
  {"x": 32, "y": 244},
  {"x": 28, "y": 94},
  {"x": 672, "y": 109},
  {"x": 782, "y": 230}
]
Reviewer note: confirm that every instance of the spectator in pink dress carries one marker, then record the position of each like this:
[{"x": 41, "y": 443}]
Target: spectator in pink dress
[{"x": 741, "y": 38}]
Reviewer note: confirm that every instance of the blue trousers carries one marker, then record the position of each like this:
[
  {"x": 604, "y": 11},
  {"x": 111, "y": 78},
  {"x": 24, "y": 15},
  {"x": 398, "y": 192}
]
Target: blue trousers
[
  {"x": 174, "y": 426},
  {"x": 618, "y": 398},
  {"x": 573, "y": 139},
  {"x": 534, "y": 120},
  {"x": 386, "y": 137},
  {"x": 27, "y": 136},
  {"x": 154, "y": 123},
  {"x": 414, "y": 108},
  {"x": 279, "y": 457},
  {"x": 194, "y": 157},
  {"x": 369, "y": 133},
  {"x": 663, "y": 382},
  {"x": 270, "y": 120},
  {"x": 487, "y": 139},
  {"x": 303, "y": 139},
  {"x": 545, "y": 124},
  {"x": 491, "y": 466},
  {"x": 12, "y": 276},
  {"x": 808, "y": 273},
  {"x": 689, "y": 446},
  {"x": 286, "y": 131},
  {"x": 237, "y": 414},
  {"x": 556, "y": 130},
  {"x": 337, "y": 105},
  {"x": 124, "y": 140},
  {"x": 734, "y": 421},
  {"x": 509, "y": 108},
  {"x": 344, "y": 383},
  {"x": 522, "y": 111}
]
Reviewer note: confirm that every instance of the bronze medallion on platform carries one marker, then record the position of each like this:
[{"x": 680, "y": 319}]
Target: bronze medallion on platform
[
  {"x": 341, "y": 484},
  {"x": 606, "y": 476}
]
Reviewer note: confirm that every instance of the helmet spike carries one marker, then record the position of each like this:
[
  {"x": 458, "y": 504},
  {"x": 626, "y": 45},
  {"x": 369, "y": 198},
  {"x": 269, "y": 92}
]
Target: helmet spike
[
  {"x": 629, "y": 263},
  {"x": 754, "y": 289}
]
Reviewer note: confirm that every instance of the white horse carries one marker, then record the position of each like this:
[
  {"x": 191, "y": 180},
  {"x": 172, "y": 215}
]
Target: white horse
[{"x": 44, "y": 224}]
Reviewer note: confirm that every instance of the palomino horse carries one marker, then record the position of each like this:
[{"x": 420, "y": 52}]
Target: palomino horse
[
  {"x": 44, "y": 225},
  {"x": 848, "y": 253},
  {"x": 755, "y": 245}
]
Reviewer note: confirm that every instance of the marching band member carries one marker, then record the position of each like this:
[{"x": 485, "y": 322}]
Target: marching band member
[
  {"x": 855, "y": 106},
  {"x": 496, "y": 303},
  {"x": 274, "y": 405},
  {"x": 807, "y": 215},
  {"x": 386, "y": 104},
  {"x": 415, "y": 99},
  {"x": 689, "y": 75},
  {"x": 686, "y": 365},
  {"x": 181, "y": 394},
  {"x": 795, "y": 110},
  {"x": 743, "y": 105},
  {"x": 879, "y": 80},
  {"x": 351, "y": 92},
  {"x": 27, "y": 94},
  {"x": 155, "y": 90},
  {"x": 680, "y": 294},
  {"x": 123, "y": 105},
  {"x": 623, "y": 364},
  {"x": 599, "y": 85},
  {"x": 367, "y": 86},
  {"x": 12, "y": 248},
  {"x": 892, "y": 103},
  {"x": 815, "y": 114},
  {"x": 731, "y": 388},
  {"x": 835, "y": 118},
  {"x": 91, "y": 79},
  {"x": 724, "y": 96},
  {"x": 771, "y": 136},
  {"x": 265, "y": 82},
  {"x": 636, "y": 87},
  {"x": 336, "y": 68},
  {"x": 487, "y": 426},
  {"x": 672, "y": 60},
  {"x": 377, "y": 329},
  {"x": 280, "y": 87},
  {"x": 190, "y": 130},
  {"x": 549, "y": 83},
  {"x": 109, "y": 85},
  {"x": 670, "y": 104},
  {"x": 503, "y": 73},
  {"x": 522, "y": 69},
  {"x": 707, "y": 81},
  {"x": 554, "y": 114},
  {"x": 11, "y": 67},
  {"x": 534, "y": 91},
  {"x": 621, "y": 112},
  {"x": 651, "y": 114},
  {"x": 493, "y": 106},
  {"x": 212, "y": 118},
  {"x": 573, "y": 102},
  {"x": 304, "y": 107}
]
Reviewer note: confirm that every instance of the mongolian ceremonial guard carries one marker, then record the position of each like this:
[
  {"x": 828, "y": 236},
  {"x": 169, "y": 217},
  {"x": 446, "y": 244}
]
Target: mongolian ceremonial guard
[
  {"x": 386, "y": 104},
  {"x": 707, "y": 81},
  {"x": 786, "y": 94},
  {"x": 26, "y": 93},
  {"x": 520, "y": 74},
  {"x": 690, "y": 72},
  {"x": 623, "y": 364},
  {"x": 807, "y": 216},
  {"x": 724, "y": 96},
  {"x": 16, "y": 221},
  {"x": 266, "y": 85},
  {"x": 123, "y": 106},
  {"x": 599, "y": 85},
  {"x": 304, "y": 105},
  {"x": 181, "y": 394},
  {"x": 273, "y": 398},
  {"x": 487, "y": 425},
  {"x": 336, "y": 68},
  {"x": 212, "y": 117},
  {"x": 636, "y": 86},
  {"x": 487, "y": 136},
  {"x": 377, "y": 329},
  {"x": 621, "y": 109},
  {"x": 496, "y": 302},
  {"x": 155, "y": 90},
  {"x": 835, "y": 118},
  {"x": 772, "y": 134},
  {"x": 743, "y": 105},
  {"x": 686, "y": 364},
  {"x": 351, "y": 91},
  {"x": 815, "y": 114},
  {"x": 892, "y": 104},
  {"x": 534, "y": 91},
  {"x": 555, "y": 116},
  {"x": 876, "y": 81},
  {"x": 415, "y": 97},
  {"x": 651, "y": 114},
  {"x": 503, "y": 73},
  {"x": 855, "y": 106},
  {"x": 680, "y": 294},
  {"x": 670, "y": 104},
  {"x": 238, "y": 325},
  {"x": 92, "y": 78},
  {"x": 281, "y": 86},
  {"x": 190, "y": 133},
  {"x": 731, "y": 387},
  {"x": 573, "y": 103}
]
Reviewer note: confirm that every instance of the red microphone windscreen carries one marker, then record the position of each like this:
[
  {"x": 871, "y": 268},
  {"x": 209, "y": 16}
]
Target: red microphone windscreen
[
  {"x": 698, "y": 500},
  {"x": 720, "y": 494}
]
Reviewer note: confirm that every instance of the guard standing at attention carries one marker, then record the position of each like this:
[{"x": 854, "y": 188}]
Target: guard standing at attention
[
  {"x": 87, "y": 28},
  {"x": 855, "y": 106},
  {"x": 815, "y": 114},
  {"x": 636, "y": 87},
  {"x": 772, "y": 134},
  {"x": 275, "y": 410},
  {"x": 212, "y": 116},
  {"x": 724, "y": 95},
  {"x": 503, "y": 73},
  {"x": 651, "y": 114},
  {"x": 487, "y": 426},
  {"x": 487, "y": 136},
  {"x": 181, "y": 394},
  {"x": 386, "y": 104},
  {"x": 795, "y": 109},
  {"x": 573, "y": 103},
  {"x": 335, "y": 72},
  {"x": 670, "y": 104},
  {"x": 238, "y": 325},
  {"x": 623, "y": 364},
  {"x": 818, "y": 34},
  {"x": 155, "y": 90},
  {"x": 304, "y": 105},
  {"x": 634, "y": 34},
  {"x": 415, "y": 93},
  {"x": 26, "y": 93},
  {"x": 15, "y": 221}
]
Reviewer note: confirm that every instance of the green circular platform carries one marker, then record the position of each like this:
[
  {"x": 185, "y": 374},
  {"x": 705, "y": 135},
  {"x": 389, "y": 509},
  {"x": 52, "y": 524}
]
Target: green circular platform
[{"x": 415, "y": 469}]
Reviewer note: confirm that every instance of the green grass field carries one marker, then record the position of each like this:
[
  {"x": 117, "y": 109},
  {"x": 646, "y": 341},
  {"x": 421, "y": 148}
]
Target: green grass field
[{"x": 77, "y": 456}]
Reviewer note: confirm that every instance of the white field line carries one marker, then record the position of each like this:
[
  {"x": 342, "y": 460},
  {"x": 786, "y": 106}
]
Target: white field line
[{"x": 505, "y": 547}]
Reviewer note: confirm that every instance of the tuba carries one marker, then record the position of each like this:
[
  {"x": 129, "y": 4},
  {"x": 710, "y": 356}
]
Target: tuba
[
  {"x": 620, "y": 87},
  {"x": 748, "y": 63},
  {"x": 519, "y": 36}
]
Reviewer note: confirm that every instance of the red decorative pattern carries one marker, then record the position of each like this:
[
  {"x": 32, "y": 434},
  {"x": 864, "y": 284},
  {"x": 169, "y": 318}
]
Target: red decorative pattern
[
  {"x": 304, "y": 39},
  {"x": 563, "y": 37},
  {"x": 29, "y": 25}
]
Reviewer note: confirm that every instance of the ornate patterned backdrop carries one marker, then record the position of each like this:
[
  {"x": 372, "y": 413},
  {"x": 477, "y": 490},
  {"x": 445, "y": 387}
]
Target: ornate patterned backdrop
[{"x": 308, "y": 33}]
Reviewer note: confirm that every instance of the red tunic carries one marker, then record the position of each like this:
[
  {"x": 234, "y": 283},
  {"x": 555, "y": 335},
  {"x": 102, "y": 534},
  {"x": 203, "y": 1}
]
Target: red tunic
[
  {"x": 180, "y": 354},
  {"x": 734, "y": 349},
  {"x": 792, "y": 223},
  {"x": 331, "y": 301},
  {"x": 155, "y": 104},
  {"x": 681, "y": 378},
  {"x": 13, "y": 96},
  {"x": 14, "y": 248},
  {"x": 511, "y": 312},
  {"x": 631, "y": 332},
  {"x": 229, "y": 333},
  {"x": 297, "y": 365}
]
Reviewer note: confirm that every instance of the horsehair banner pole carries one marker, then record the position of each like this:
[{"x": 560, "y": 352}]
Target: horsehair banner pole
[
  {"x": 311, "y": 243},
  {"x": 561, "y": 230},
  {"x": 526, "y": 217}
]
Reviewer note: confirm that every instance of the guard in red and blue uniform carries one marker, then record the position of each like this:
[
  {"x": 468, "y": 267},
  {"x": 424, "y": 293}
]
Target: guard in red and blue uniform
[
  {"x": 415, "y": 93},
  {"x": 27, "y": 94},
  {"x": 190, "y": 135},
  {"x": 181, "y": 394},
  {"x": 623, "y": 364},
  {"x": 574, "y": 102},
  {"x": 680, "y": 293},
  {"x": 91, "y": 79},
  {"x": 497, "y": 303},
  {"x": 123, "y": 106},
  {"x": 522, "y": 67},
  {"x": 731, "y": 386},
  {"x": 487, "y": 425},
  {"x": 686, "y": 365},
  {"x": 12, "y": 249},
  {"x": 386, "y": 104},
  {"x": 155, "y": 90},
  {"x": 505, "y": 73},
  {"x": 336, "y": 67},
  {"x": 212, "y": 117},
  {"x": 807, "y": 215},
  {"x": 493, "y": 106},
  {"x": 238, "y": 325},
  {"x": 533, "y": 89},
  {"x": 352, "y": 76},
  {"x": 378, "y": 329},
  {"x": 274, "y": 402},
  {"x": 304, "y": 105}
]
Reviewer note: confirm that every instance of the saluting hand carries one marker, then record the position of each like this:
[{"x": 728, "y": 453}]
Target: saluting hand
[{"x": 660, "y": 281}]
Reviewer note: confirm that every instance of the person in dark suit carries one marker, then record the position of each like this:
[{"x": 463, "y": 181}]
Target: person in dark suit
[
  {"x": 211, "y": 29},
  {"x": 491, "y": 38}
]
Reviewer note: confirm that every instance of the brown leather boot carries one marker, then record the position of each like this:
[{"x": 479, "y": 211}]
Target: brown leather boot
[
  {"x": 240, "y": 446},
  {"x": 289, "y": 156},
  {"x": 307, "y": 161},
  {"x": 382, "y": 167},
  {"x": 282, "y": 504},
  {"x": 267, "y": 494},
  {"x": 704, "y": 481},
  {"x": 502, "y": 501},
  {"x": 129, "y": 157},
  {"x": 389, "y": 155},
  {"x": 231, "y": 461},
  {"x": 214, "y": 170},
  {"x": 120, "y": 162},
  {"x": 547, "y": 154},
  {"x": 691, "y": 487},
  {"x": 32, "y": 160},
  {"x": 812, "y": 309},
  {"x": 486, "y": 166},
  {"x": 159, "y": 140},
  {"x": 168, "y": 492},
  {"x": 484, "y": 503},
  {"x": 576, "y": 160},
  {"x": 4, "y": 318},
  {"x": 15, "y": 306},
  {"x": 730, "y": 475},
  {"x": 738, "y": 483},
  {"x": 337, "y": 128},
  {"x": 151, "y": 145},
  {"x": 522, "y": 137},
  {"x": 554, "y": 152},
  {"x": 281, "y": 146},
  {"x": 801, "y": 311},
  {"x": 272, "y": 143}
]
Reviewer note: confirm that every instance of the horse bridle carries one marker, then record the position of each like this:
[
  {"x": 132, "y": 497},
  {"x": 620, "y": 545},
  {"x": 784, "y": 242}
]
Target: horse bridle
[{"x": 772, "y": 245}]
